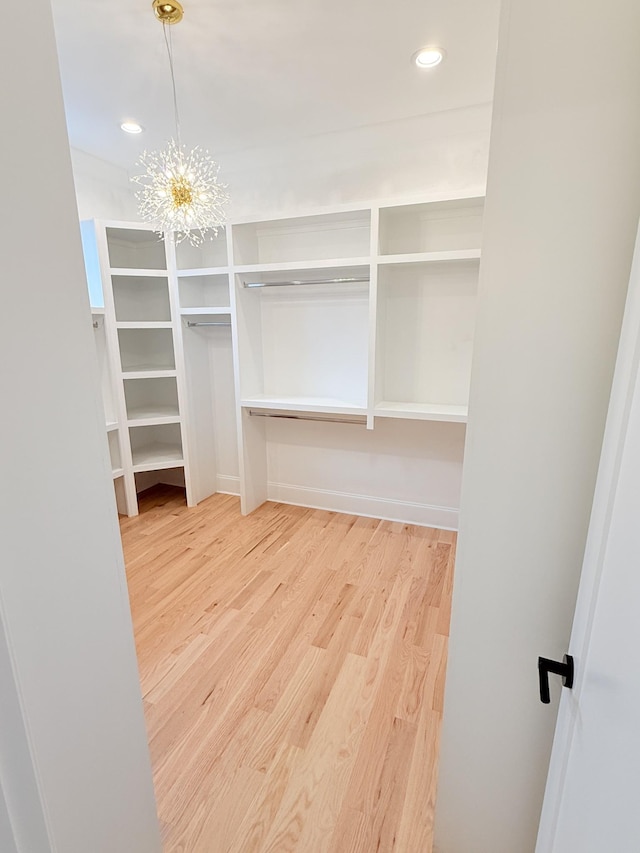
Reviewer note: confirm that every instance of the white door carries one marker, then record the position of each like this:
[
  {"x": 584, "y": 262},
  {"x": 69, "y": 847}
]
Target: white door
[{"x": 592, "y": 799}]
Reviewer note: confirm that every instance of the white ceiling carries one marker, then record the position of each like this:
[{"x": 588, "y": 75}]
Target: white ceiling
[{"x": 258, "y": 72}]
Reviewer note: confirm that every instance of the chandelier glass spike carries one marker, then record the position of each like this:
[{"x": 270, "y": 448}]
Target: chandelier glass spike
[{"x": 179, "y": 189}]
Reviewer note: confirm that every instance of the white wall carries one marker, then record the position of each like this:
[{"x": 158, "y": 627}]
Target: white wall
[
  {"x": 7, "y": 837},
  {"x": 19, "y": 792},
  {"x": 74, "y": 764},
  {"x": 436, "y": 153},
  {"x": 442, "y": 152},
  {"x": 402, "y": 470},
  {"x": 103, "y": 190},
  {"x": 562, "y": 209}
]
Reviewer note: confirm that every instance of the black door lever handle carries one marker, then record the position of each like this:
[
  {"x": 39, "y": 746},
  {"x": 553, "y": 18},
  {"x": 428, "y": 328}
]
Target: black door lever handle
[{"x": 545, "y": 666}]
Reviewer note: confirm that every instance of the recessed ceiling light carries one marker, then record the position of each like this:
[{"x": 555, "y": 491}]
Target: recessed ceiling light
[
  {"x": 131, "y": 127},
  {"x": 428, "y": 57}
]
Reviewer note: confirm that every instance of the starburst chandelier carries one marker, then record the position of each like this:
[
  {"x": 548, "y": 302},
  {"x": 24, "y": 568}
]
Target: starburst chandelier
[{"x": 179, "y": 189}]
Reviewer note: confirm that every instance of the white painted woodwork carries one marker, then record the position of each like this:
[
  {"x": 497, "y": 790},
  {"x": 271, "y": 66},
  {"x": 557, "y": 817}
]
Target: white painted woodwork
[
  {"x": 211, "y": 412},
  {"x": 563, "y": 201},
  {"x": 212, "y": 253},
  {"x": 105, "y": 369},
  {"x": 135, "y": 249},
  {"x": 156, "y": 447},
  {"x": 203, "y": 345},
  {"x": 199, "y": 292},
  {"x": 426, "y": 318},
  {"x": 144, "y": 299},
  {"x": 597, "y": 733},
  {"x": 311, "y": 238},
  {"x": 151, "y": 399},
  {"x": 314, "y": 343},
  {"x": 74, "y": 765},
  {"x": 144, "y": 351}
]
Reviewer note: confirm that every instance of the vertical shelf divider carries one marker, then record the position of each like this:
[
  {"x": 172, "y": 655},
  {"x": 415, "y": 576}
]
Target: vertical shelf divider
[
  {"x": 252, "y": 445},
  {"x": 181, "y": 378},
  {"x": 113, "y": 350},
  {"x": 373, "y": 315}
]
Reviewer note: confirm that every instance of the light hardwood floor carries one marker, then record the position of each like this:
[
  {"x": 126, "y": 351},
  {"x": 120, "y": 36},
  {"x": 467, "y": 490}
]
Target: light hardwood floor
[{"x": 292, "y": 666}]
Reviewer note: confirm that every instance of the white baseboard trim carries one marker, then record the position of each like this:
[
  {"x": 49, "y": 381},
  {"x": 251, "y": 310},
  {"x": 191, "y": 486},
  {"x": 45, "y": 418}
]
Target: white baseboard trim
[
  {"x": 442, "y": 517},
  {"x": 228, "y": 485}
]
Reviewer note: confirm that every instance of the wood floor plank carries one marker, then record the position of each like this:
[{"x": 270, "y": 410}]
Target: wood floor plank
[{"x": 292, "y": 665}]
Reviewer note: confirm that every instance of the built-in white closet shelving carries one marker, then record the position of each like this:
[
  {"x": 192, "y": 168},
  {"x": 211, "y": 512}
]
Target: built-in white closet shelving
[{"x": 281, "y": 350}]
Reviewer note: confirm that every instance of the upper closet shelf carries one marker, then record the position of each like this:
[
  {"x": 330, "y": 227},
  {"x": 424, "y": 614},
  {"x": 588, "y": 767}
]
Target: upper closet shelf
[
  {"x": 334, "y": 264},
  {"x": 421, "y": 411},
  {"x": 138, "y": 273},
  {"x": 147, "y": 371},
  {"x": 322, "y": 405},
  {"x": 430, "y": 257},
  {"x": 157, "y": 456},
  {"x": 199, "y": 271},
  {"x": 134, "y": 324},
  {"x": 212, "y": 311},
  {"x": 153, "y": 415}
]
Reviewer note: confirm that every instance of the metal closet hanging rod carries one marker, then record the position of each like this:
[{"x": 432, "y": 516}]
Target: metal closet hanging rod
[
  {"x": 321, "y": 419},
  {"x": 292, "y": 282}
]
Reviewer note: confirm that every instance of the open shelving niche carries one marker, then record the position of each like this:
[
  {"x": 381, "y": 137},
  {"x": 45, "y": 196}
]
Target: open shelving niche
[
  {"x": 322, "y": 360},
  {"x": 139, "y": 340}
]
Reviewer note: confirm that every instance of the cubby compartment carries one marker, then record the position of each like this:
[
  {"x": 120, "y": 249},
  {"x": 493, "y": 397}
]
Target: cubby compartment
[
  {"x": 144, "y": 350},
  {"x": 204, "y": 291},
  {"x": 120, "y": 490},
  {"x": 133, "y": 248},
  {"x": 308, "y": 238},
  {"x": 154, "y": 399},
  {"x": 211, "y": 405},
  {"x": 114, "y": 452},
  {"x": 446, "y": 226},
  {"x": 140, "y": 299},
  {"x": 304, "y": 346},
  {"x": 211, "y": 253},
  {"x": 104, "y": 369},
  {"x": 156, "y": 447},
  {"x": 144, "y": 480},
  {"x": 426, "y": 318}
]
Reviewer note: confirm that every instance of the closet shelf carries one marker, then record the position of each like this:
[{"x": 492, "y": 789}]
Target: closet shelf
[
  {"x": 152, "y": 415},
  {"x": 187, "y": 311},
  {"x": 323, "y": 405},
  {"x": 97, "y": 311},
  {"x": 202, "y": 271},
  {"x": 147, "y": 371},
  {"x": 421, "y": 411},
  {"x": 336, "y": 265},
  {"x": 111, "y": 425},
  {"x": 157, "y": 456},
  {"x": 117, "y": 472},
  {"x": 144, "y": 325},
  {"x": 430, "y": 257},
  {"x": 137, "y": 273}
]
